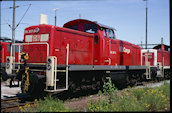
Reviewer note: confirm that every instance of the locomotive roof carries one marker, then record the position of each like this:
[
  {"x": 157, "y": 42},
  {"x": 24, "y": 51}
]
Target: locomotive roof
[
  {"x": 105, "y": 26},
  {"x": 6, "y": 39},
  {"x": 94, "y": 22},
  {"x": 159, "y": 46}
]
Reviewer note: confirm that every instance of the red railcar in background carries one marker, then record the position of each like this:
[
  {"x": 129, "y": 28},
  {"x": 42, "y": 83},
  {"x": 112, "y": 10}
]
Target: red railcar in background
[
  {"x": 5, "y": 49},
  {"x": 158, "y": 58},
  {"x": 163, "y": 54}
]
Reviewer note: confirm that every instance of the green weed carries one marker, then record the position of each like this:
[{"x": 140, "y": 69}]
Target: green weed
[
  {"x": 47, "y": 105},
  {"x": 133, "y": 99}
]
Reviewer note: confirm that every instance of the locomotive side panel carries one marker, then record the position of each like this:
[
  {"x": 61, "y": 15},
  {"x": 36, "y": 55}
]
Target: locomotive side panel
[
  {"x": 115, "y": 52},
  {"x": 3, "y": 51},
  {"x": 166, "y": 58},
  {"x": 163, "y": 57},
  {"x": 80, "y": 46},
  {"x": 126, "y": 53},
  {"x": 130, "y": 54},
  {"x": 138, "y": 54}
]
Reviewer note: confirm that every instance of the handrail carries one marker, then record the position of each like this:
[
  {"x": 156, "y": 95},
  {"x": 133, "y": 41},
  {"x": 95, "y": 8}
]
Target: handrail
[
  {"x": 21, "y": 44},
  {"x": 67, "y": 62}
]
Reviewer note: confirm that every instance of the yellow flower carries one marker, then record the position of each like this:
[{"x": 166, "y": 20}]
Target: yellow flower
[
  {"x": 36, "y": 100},
  {"x": 147, "y": 105}
]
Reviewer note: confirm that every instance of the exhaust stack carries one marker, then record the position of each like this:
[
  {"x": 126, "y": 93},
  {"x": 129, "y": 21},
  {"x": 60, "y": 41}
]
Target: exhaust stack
[{"x": 43, "y": 19}]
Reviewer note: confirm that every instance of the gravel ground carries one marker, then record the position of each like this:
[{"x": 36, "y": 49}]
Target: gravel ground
[
  {"x": 6, "y": 91},
  {"x": 80, "y": 104},
  {"x": 152, "y": 85}
]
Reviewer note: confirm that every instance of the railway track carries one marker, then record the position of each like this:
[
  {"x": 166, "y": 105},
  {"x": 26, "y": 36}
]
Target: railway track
[{"x": 12, "y": 104}]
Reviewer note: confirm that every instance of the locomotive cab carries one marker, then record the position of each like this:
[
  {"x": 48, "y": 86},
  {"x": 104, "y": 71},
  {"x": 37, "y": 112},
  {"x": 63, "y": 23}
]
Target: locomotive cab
[
  {"x": 108, "y": 50},
  {"x": 102, "y": 36}
]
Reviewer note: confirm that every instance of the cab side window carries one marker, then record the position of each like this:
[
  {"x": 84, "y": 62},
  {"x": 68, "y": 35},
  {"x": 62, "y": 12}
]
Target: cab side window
[
  {"x": 90, "y": 28},
  {"x": 110, "y": 33},
  {"x": 113, "y": 34},
  {"x": 104, "y": 32},
  {"x": 74, "y": 27}
]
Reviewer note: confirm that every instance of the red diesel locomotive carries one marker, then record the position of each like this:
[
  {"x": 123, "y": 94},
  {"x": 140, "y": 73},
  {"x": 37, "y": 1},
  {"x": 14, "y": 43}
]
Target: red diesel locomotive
[
  {"x": 81, "y": 53},
  {"x": 5, "y": 49},
  {"x": 4, "y": 52},
  {"x": 158, "y": 59}
]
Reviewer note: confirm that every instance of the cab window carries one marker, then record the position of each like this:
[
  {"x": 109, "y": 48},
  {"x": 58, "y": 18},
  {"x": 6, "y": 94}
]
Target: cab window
[
  {"x": 74, "y": 27},
  {"x": 104, "y": 32},
  {"x": 110, "y": 33},
  {"x": 90, "y": 28},
  {"x": 113, "y": 34}
]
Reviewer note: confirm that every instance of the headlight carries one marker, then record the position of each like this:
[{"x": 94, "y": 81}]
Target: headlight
[
  {"x": 8, "y": 60},
  {"x": 49, "y": 61},
  {"x": 48, "y": 67}
]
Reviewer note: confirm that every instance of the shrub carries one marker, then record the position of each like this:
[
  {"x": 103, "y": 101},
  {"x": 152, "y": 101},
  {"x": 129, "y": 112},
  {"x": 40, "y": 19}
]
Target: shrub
[
  {"x": 47, "y": 105},
  {"x": 109, "y": 87}
]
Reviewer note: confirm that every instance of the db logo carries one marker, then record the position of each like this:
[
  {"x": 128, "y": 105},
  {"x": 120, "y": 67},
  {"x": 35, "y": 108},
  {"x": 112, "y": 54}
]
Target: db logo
[{"x": 36, "y": 30}]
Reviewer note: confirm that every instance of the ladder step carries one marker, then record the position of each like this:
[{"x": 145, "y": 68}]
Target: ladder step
[
  {"x": 56, "y": 80},
  {"x": 60, "y": 70}
]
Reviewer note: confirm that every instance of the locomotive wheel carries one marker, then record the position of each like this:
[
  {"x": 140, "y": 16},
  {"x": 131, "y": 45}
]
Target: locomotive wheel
[
  {"x": 4, "y": 75},
  {"x": 33, "y": 87}
]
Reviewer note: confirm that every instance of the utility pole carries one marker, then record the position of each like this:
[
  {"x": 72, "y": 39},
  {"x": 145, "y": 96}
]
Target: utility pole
[
  {"x": 146, "y": 21},
  {"x": 0, "y": 20},
  {"x": 13, "y": 31},
  {"x": 14, "y": 27}
]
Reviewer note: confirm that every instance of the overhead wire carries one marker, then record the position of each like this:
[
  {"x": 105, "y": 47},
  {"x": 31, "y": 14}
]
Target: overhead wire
[{"x": 23, "y": 16}]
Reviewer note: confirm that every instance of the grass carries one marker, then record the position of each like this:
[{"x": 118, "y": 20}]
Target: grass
[
  {"x": 131, "y": 99},
  {"x": 47, "y": 105},
  {"x": 134, "y": 99}
]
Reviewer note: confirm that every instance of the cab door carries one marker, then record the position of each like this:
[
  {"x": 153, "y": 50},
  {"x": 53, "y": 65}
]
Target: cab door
[{"x": 106, "y": 47}]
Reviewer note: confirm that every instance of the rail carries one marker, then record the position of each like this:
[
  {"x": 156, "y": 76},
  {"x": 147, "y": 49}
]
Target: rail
[{"x": 13, "y": 103}]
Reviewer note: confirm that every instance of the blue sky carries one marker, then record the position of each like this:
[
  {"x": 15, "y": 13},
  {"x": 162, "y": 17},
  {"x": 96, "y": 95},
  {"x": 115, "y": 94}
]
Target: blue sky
[{"x": 128, "y": 17}]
